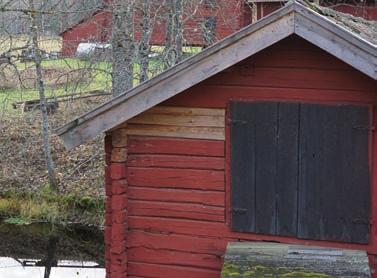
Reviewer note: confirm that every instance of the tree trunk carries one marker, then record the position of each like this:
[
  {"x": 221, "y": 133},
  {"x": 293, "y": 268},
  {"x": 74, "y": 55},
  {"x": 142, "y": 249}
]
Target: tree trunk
[
  {"x": 42, "y": 98},
  {"x": 144, "y": 44},
  {"x": 169, "y": 34},
  {"x": 122, "y": 46},
  {"x": 174, "y": 33},
  {"x": 178, "y": 29}
]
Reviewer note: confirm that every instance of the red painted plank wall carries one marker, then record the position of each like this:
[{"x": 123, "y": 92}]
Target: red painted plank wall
[
  {"x": 292, "y": 69},
  {"x": 167, "y": 201},
  {"x": 168, "y": 198},
  {"x": 228, "y": 15}
]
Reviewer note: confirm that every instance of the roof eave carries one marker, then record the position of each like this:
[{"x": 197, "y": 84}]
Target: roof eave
[
  {"x": 83, "y": 20},
  {"x": 336, "y": 40}
]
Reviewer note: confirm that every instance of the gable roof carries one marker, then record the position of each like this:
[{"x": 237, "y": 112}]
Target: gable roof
[
  {"x": 82, "y": 20},
  {"x": 294, "y": 18}
]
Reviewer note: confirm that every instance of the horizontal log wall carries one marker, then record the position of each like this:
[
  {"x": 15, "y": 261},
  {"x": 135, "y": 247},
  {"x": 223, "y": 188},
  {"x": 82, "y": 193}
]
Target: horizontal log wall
[
  {"x": 174, "y": 161},
  {"x": 181, "y": 183}
]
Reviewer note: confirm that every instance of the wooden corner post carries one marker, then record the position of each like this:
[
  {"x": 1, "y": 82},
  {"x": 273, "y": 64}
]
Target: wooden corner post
[{"x": 116, "y": 218}]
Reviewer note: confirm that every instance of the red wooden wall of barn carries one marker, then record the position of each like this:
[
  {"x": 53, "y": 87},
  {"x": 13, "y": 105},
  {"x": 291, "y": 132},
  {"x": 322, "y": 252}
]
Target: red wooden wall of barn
[
  {"x": 228, "y": 15},
  {"x": 167, "y": 212}
]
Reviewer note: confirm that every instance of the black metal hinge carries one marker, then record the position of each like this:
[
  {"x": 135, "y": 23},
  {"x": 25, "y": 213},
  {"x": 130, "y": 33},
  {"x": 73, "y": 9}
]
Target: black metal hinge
[
  {"x": 242, "y": 122},
  {"x": 239, "y": 210}
]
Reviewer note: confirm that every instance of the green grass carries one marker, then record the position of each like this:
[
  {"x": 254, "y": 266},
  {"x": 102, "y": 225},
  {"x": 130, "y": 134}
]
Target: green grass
[
  {"x": 101, "y": 70},
  {"x": 47, "y": 206},
  {"x": 100, "y": 80},
  {"x": 72, "y": 63},
  {"x": 16, "y": 221},
  {"x": 47, "y": 43}
]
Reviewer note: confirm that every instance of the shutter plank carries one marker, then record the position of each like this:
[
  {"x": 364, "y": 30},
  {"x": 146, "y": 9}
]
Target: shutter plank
[
  {"x": 287, "y": 169},
  {"x": 311, "y": 171},
  {"x": 356, "y": 189},
  {"x": 242, "y": 167},
  {"x": 266, "y": 165}
]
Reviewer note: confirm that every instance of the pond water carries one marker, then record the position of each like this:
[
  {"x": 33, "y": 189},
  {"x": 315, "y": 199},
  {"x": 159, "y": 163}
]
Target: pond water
[{"x": 45, "y": 251}]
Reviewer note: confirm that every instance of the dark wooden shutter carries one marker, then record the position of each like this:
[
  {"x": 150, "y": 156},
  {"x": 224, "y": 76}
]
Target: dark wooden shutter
[
  {"x": 334, "y": 176},
  {"x": 297, "y": 168},
  {"x": 263, "y": 173}
]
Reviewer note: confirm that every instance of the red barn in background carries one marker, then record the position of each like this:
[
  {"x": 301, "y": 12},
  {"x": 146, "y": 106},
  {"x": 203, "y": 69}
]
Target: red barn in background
[
  {"x": 221, "y": 20},
  {"x": 267, "y": 135}
]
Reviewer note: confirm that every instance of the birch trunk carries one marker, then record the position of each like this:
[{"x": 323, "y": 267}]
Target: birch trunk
[
  {"x": 122, "y": 46},
  {"x": 144, "y": 44},
  {"x": 178, "y": 29},
  {"x": 42, "y": 98},
  {"x": 174, "y": 33}
]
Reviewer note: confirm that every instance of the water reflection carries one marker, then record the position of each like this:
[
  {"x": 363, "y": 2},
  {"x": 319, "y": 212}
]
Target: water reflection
[{"x": 43, "y": 251}]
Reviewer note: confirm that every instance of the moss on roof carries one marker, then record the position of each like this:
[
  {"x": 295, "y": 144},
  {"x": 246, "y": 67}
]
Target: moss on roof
[{"x": 363, "y": 28}]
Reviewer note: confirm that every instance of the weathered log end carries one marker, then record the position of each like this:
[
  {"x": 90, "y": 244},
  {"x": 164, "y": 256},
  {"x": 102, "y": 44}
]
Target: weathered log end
[{"x": 284, "y": 260}]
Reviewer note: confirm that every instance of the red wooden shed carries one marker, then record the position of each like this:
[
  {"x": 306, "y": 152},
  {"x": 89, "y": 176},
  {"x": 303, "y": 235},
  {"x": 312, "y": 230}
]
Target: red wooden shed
[{"x": 266, "y": 136}]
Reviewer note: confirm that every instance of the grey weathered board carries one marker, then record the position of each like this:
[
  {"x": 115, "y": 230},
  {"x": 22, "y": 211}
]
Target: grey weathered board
[
  {"x": 301, "y": 170},
  {"x": 259, "y": 259}
]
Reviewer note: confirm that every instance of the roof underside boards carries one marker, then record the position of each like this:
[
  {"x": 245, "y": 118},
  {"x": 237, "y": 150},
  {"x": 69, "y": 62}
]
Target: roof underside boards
[{"x": 294, "y": 18}]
